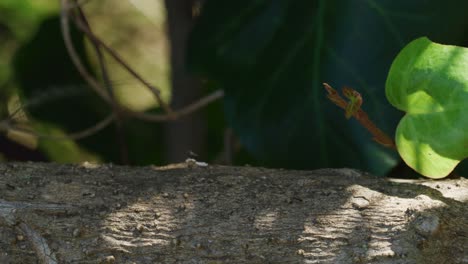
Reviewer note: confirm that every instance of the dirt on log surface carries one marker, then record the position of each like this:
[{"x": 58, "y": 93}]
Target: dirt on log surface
[{"x": 192, "y": 213}]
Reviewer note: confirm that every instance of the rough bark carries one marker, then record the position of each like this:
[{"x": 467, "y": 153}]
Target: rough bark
[{"x": 190, "y": 213}]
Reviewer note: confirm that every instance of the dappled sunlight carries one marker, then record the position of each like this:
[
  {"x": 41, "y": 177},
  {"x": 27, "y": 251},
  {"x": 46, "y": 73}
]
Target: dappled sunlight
[
  {"x": 265, "y": 221},
  {"x": 140, "y": 224},
  {"x": 374, "y": 230},
  {"x": 216, "y": 214}
]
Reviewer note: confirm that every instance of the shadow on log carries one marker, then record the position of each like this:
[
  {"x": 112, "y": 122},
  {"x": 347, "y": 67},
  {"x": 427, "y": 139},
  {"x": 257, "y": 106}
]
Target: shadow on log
[{"x": 187, "y": 213}]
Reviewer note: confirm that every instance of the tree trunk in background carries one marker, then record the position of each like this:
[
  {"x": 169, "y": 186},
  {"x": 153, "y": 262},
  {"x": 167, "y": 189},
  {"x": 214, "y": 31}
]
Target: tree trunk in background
[{"x": 186, "y": 134}]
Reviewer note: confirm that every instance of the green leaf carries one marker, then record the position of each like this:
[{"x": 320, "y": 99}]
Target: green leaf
[
  {"x": 271, "y": 57},
  {"x": 429, "y": 81}
]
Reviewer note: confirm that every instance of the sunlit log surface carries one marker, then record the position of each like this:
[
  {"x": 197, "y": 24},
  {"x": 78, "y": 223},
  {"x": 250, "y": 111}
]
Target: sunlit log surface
[{"x": 192, "y": 213}]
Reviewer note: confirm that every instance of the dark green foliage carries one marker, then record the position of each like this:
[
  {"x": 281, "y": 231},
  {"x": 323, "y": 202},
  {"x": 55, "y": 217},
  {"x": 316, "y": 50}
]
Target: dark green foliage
[
  {"x": 56, "y": 94},
  {"x": 52, "y": 88},
  {"x": 271, "y": 57},
  {"x": 51, "y": 85}
]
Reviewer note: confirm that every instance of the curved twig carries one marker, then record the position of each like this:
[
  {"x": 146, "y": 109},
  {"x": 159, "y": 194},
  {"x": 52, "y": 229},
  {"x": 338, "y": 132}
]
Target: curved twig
[
  {"x": 5, "y": 126},
  {"x": 183, "y": 111},
  {"x": 156, "y": 92},
  {"x": 65, "y": 26},
  {"x": 119, "y": 119},
  {"x": 168, "y": 116}
]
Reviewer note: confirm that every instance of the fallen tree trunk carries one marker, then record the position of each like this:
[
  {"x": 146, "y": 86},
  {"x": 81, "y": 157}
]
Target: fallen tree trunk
[{"x": 191, "y": 213}]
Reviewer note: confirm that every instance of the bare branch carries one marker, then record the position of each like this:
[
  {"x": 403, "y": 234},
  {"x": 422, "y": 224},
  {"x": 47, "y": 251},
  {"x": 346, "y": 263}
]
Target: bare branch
[
  {"x": 170, "y": 114},
  {"x": 119, "y": 111},
  {"x": 156, "y": 92},
  {"x": 65, "y": 26},
  {"x": 77, "y": 3},
  {"x": 6, "y": 126},
  {"x": 120, "y": 132},
  {"x": 185, "y": 110}
]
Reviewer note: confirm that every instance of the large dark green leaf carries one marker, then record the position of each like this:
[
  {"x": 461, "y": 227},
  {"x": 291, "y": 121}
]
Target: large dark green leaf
[{"x": 271, "y": 57}]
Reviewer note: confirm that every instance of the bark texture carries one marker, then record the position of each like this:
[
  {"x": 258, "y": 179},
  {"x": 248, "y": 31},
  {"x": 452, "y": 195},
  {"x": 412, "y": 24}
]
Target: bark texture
[{"x": 191, "y": 213}]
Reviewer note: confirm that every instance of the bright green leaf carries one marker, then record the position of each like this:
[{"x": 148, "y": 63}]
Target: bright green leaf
[{"x": 429, "y": 81}]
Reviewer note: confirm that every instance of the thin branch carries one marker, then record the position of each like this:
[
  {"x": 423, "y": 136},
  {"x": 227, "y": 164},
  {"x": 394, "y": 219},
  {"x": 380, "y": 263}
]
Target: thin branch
[
  {"x": 102, "y": 65},
  {"x": 353, "y": 109},
  {"x": 6, "y": 126},
  {"x": 170, "y": 114},
  {"x": 76, "y": 4},
  {"x": 185, "y": 110},
  {"x": 199, "y": 104},
  {"x": 54, "y": 93},
  {"x": 156, "y": 92},
  {"x": 65, "y": 26},
  {"x": 120, "y": 134}
]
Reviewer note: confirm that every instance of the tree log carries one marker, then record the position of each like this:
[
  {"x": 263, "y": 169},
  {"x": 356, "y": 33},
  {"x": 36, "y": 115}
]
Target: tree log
[{"x": 192, "y": 213}]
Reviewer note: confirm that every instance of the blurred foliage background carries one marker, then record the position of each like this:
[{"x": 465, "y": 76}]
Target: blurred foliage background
[{"x": 269, "y": 56}]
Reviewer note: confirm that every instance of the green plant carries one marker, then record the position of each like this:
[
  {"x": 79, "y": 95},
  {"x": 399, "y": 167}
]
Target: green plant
[
  {"x": 270, "y": 58},
  {"x": 428, "y": 81}
]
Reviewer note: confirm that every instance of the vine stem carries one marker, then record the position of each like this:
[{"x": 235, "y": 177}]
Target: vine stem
[{"x": 353, "y": 108}]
